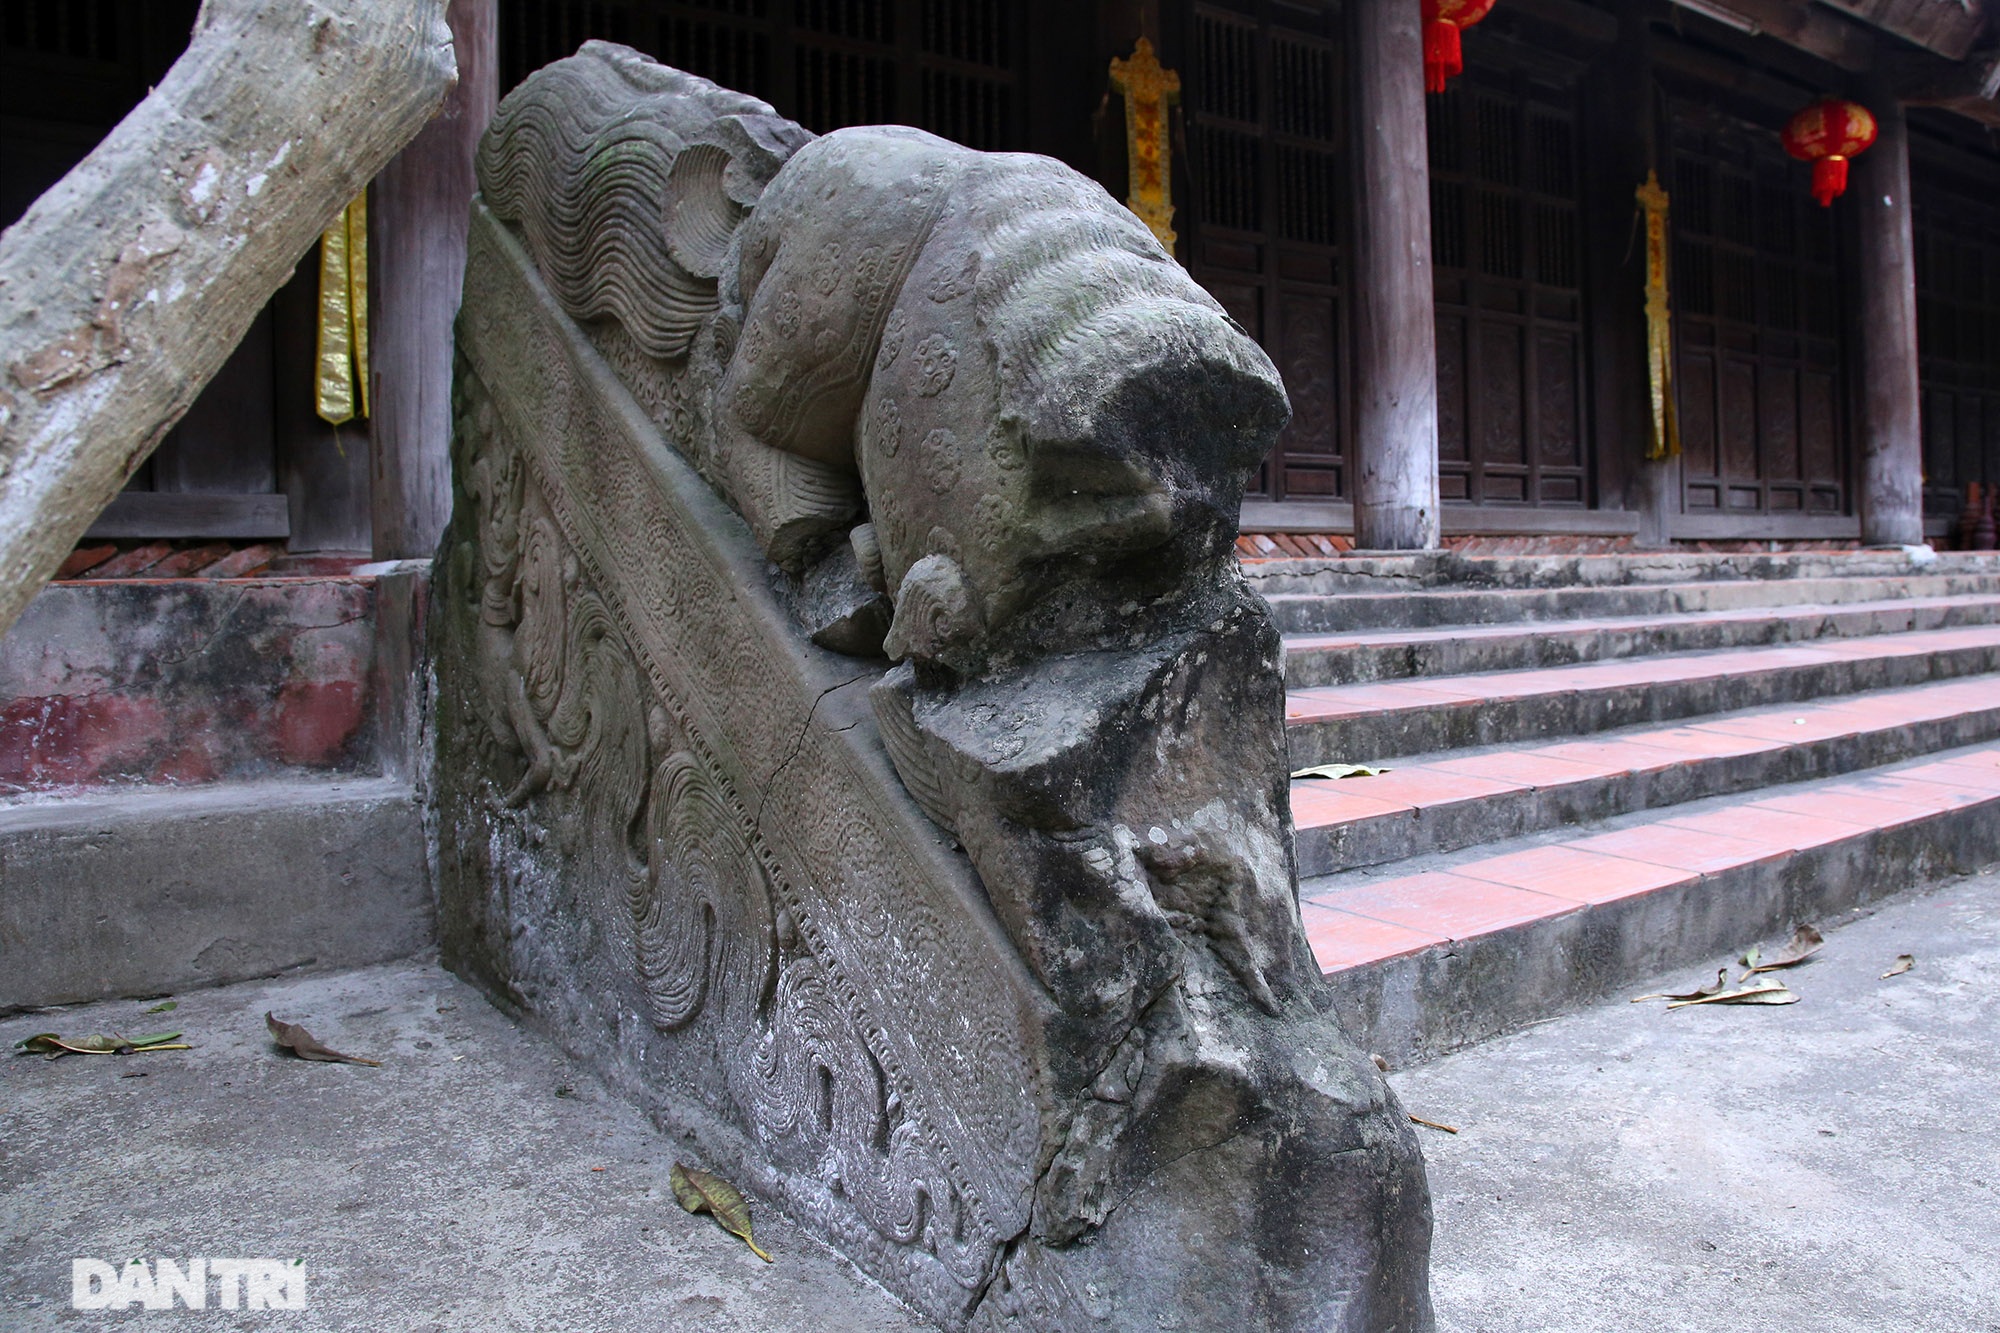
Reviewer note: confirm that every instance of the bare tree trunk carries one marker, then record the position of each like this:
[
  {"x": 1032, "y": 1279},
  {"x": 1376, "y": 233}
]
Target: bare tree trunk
[{"x": 124, "y": 288}]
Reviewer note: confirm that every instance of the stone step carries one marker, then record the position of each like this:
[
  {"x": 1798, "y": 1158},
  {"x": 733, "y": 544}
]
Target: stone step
[
  {"x": 1436, "y": 953},
  {"x": 1375, "y": 572},
  {"x": 149, "y": 890},
  {"x": 1354, "y": 657},
  {"x": 1464, "y": 798},
  {"x": 1420, "y": 606},
  {"x": 1389, "y": 719}
]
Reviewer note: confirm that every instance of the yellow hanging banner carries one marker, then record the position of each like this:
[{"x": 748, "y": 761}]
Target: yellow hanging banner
[
  {"x": 1148, "y": 91},
  {"x": 1665, "y": 439},
  {"x": 340, "y": 384}
]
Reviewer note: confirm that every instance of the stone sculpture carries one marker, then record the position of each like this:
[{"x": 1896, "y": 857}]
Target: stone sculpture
[{"x": 853, "y": 734}]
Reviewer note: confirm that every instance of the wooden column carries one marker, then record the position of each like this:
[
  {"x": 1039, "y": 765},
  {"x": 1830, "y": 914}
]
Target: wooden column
[
  {"x": 1892, "y": 465},
  {"x": 1394, "y": 325},
  {"x": 419, "y": 208}
]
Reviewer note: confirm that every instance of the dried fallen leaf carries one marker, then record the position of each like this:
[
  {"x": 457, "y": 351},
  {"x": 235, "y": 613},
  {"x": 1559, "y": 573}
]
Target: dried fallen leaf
[
  {"x": 55, "y": 1046},
  {"x": 1804, "y": 943},
  {"x": 1430, "y": 1124},
  {"x": 1904, "y": 962},
  {"x": 700, "y": 1191},
  {"x": 307, "y": 1047},
  {"x": 1765, "y": 990},
  {"x": 1340, "y": 771},
  {"x": 1721, "y": 980}
]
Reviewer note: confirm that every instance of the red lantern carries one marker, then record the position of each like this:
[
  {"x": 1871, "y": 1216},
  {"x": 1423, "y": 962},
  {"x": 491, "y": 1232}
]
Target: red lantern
[
  {"x": 1826, "y": 134},
  {"x": 1443, "y": 60}
]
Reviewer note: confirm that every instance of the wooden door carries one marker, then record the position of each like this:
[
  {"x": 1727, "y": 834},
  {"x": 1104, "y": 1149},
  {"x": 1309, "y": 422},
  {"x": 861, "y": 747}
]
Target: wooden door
[
  {"x": 1757, "y": 299},
  {"x": 1263, "y": 97},
  {"x": 1506, "y": 249},
  {"x": 1957, "y": 228}
]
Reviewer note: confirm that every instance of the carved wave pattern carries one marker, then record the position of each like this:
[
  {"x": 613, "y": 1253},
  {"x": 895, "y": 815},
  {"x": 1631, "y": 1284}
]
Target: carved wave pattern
[{"x": 583, "y": 159}]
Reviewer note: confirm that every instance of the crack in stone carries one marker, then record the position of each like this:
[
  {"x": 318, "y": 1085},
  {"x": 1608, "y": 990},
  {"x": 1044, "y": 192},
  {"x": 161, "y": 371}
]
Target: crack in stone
[{"x": 799, "y": 744}]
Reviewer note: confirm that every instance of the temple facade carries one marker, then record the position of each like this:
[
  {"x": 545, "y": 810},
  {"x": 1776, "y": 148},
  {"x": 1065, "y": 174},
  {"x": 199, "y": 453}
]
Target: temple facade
[{"x": 1454, "y": 284}]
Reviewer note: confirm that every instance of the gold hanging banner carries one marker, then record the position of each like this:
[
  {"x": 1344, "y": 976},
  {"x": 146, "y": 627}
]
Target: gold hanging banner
[
  {"x": 340, "y": 385},
  {"x": 1665, "y": 441},
  {"x": 1148, "y": 91}
]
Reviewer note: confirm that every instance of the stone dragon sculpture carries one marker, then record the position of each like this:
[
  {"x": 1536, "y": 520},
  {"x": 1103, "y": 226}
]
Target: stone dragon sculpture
[{"x": 1051, "y": 1053}]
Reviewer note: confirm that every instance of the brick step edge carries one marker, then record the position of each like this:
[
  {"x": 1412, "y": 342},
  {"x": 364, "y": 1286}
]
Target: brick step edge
[
  {"x": 1471, "y": 821},
  {"x": 1437, "y": 999},
  {"x": 1371, "y": 734},
  {"x": 1544, "y": 645},
  {"x": 1302, "y": 613}
]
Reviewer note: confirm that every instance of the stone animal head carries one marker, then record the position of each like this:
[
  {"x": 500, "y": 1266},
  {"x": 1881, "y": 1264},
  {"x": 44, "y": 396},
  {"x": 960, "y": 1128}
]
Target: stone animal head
[{"x": 1039, "y": 404}]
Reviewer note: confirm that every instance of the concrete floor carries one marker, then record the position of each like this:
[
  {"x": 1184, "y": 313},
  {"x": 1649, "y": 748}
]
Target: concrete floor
[
  {"x": 1828, "y": 1166},
  {"x": 1832, "y": 1165},
  {"x": 450, "y": 1190}
]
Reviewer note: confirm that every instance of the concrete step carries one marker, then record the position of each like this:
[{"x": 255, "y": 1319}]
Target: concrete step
[
  {"x": 147, "y": 890},
  {"x": 1353, "y": 657},
  {"x": 1307, "y": 610},
  {"x": 1385, "y": 720},
  {"x": 1435, "y": 953},
  {"x": 1463, "y": 798}
]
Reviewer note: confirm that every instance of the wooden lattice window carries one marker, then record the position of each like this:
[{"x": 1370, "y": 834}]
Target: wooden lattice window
[
  {"x": 1958, "y": 335},
  {"x": 1757, "y": 302},
  {"x": 948, "y": 66},
  {"x": 1264, "y": 97},
  {"x": 1507, "y": 254}
]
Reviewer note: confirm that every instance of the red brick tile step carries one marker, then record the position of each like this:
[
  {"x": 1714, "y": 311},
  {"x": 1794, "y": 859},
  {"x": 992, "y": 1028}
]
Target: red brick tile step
[
  {"x": 1384, "y": 719},
  {"x": 1459, "y": 799},
  {"x": 1443, "y": 950}
]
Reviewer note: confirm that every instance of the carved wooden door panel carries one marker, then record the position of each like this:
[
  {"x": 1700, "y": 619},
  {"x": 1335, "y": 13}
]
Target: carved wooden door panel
[
  {"x": 1507, "y": 256},
  {"x": 1958, "y": 336},
  {"x": 948, "y": 66},
  {"x": 1757, "y": 300},
  {"x": 1263, "y": 97}
]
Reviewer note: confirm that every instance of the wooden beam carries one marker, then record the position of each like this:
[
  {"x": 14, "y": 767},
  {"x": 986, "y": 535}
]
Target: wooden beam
[
  {"x": 126, "y": 286},
  {"x": 1764, "y": 527},
  {"x": 1456, "y": 520},
  {"x": 1949, "y": 27},
  {"x": 420, "y": 207},
  {"x": 185, "y": 514},
  {"x": 1892, "y": 465},
  {"x": 1797, "y": 24},
  {"x": 1393, "y": 325}
]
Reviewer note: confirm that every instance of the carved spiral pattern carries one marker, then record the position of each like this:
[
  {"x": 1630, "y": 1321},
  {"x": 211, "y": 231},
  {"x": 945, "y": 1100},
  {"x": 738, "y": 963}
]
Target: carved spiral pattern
[{"x": 702, "y": 912}]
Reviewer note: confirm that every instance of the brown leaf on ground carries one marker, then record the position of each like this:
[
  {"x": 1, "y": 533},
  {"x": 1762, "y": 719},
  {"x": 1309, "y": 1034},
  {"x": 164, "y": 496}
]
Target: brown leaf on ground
[
  {"x": 307, "y": 1047},
  {"x": 700, "y": 1191},
  {"x": 1904, "y": 962},
  {"x": 1430, "y": 1124},
  {"x": 1765, "y": 990},
  {"x": 1804, "y": 943},
  {"x": 1721, "y": 980}
]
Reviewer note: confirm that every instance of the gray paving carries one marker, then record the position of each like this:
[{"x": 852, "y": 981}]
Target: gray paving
[
  {"x": 1831, "y": 1165},
  {"x": 451, "y": 1189}
]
